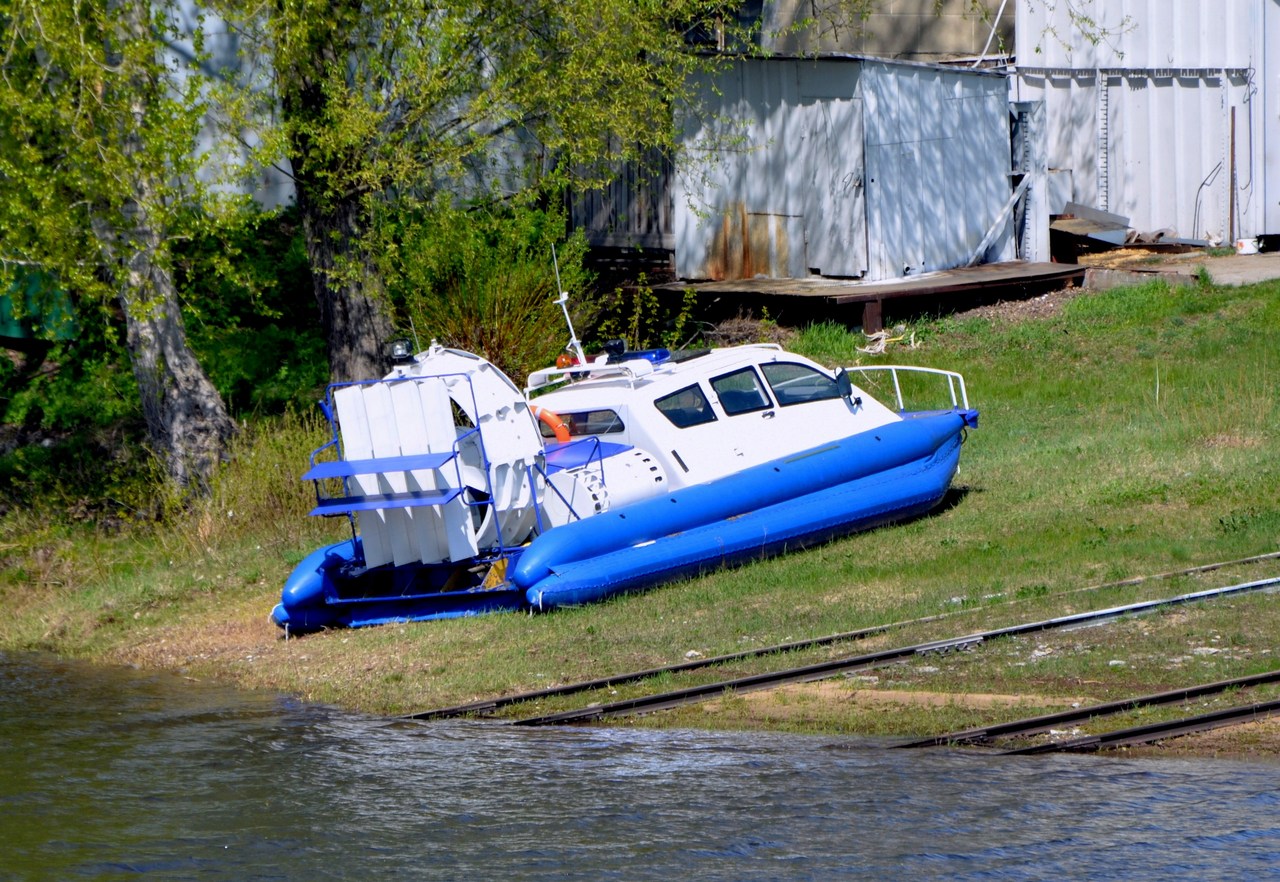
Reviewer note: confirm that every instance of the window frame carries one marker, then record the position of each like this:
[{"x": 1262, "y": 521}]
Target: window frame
[
  {"x": 761, "y": 388},
  {"x": 792, "y": 364},
  {"x": 669, "y": 414}
]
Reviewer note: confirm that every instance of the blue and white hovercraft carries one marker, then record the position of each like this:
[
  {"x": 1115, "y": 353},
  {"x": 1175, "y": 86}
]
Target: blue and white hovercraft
[{"x": 467, "y": 495}]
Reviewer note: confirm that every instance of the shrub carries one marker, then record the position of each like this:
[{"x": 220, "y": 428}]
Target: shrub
[
  {"x": 636, "y": 314},
  {"x": 250, "y": 310},
  {"x": 484, "y": 280}
]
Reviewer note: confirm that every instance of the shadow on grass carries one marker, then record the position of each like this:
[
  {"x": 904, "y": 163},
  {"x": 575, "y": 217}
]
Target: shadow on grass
[{"x": 951, "y": 499}]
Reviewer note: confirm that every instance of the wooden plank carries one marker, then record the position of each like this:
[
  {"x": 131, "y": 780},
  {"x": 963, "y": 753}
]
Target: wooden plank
[{"x": 842, "y": 292}]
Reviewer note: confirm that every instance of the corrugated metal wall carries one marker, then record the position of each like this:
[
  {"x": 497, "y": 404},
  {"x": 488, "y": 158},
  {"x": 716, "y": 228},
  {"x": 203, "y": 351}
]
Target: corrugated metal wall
[
  {"x": 1142, "y": 117},
  {"x": 938, "y": 163},
  {"x": 776, "y": 154},
  {"x": 1137, "y": 33},
  {"x": 841, "y": 167}
]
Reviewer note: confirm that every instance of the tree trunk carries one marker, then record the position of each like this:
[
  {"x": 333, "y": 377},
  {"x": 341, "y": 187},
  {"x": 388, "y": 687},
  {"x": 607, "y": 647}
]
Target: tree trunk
[
  {"x": 356, "y": 325},
  {"x": 335, "y": 216},
  {"x": 187, "y": 422}
]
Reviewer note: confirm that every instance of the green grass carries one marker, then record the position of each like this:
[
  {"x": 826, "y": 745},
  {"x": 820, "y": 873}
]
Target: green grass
[{"x": 1138, "y": 432}]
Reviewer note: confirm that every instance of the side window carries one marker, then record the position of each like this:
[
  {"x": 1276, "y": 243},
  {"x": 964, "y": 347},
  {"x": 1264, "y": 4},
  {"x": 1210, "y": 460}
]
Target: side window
[
  {"x": 586, "y": 422},
  {"x": 798, "y": 383},
  {"x": 686, "y": 407},
  {"x": 740, "y": 392}
]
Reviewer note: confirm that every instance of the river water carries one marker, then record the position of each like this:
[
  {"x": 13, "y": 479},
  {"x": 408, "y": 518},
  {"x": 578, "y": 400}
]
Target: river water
[{"x": 112, "y": 774}]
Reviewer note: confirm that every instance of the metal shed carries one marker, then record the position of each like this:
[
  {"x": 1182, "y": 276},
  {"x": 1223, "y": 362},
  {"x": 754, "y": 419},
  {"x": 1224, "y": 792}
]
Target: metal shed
[
  {"x": 842, "y": 166},
  {"x": 1164, "y": 113}
]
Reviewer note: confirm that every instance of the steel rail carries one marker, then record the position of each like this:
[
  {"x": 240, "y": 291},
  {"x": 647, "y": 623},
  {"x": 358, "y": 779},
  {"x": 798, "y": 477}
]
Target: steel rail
[
  {"x": 823, "y": 670},
  {"x": 490, "y": 705},
  {"x": 1232, "y": 716},
  {"x": 1036, "y": 725},
  {"x": 753, "y": 683}
]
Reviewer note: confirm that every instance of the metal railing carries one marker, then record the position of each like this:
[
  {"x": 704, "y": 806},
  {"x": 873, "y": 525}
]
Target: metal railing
[{"x": 955, "y": 382}]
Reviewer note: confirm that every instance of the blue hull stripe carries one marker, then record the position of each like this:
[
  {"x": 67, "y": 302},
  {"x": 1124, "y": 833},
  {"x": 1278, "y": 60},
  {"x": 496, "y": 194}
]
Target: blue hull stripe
[{"x": 898, "y": 493}]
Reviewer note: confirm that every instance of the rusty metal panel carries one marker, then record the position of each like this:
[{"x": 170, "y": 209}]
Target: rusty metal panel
[
  {"x": 779, "y": 177},
  {"x": 744, "y": 200},
  {"x": 748, "y": 244}
]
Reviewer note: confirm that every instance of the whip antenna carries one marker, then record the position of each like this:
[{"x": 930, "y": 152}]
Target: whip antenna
[{"x": 563, "y": 300}]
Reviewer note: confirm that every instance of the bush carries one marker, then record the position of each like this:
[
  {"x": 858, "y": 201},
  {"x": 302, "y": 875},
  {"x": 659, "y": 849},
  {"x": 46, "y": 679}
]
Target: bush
[
  {"x": 250, "y": 310},
  {"x": 636, "y": 315},
  {"x": 484, "y": 280}
]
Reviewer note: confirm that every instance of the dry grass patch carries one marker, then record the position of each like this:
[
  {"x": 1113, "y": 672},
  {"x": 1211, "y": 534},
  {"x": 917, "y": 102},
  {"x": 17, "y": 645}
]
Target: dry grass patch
[
  {"x": 1234, "y": 441},
  {"x": 793, "y": 699}
]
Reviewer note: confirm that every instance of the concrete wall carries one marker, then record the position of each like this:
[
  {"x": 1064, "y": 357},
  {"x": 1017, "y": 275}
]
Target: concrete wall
[{"x": 915, "y": 30}]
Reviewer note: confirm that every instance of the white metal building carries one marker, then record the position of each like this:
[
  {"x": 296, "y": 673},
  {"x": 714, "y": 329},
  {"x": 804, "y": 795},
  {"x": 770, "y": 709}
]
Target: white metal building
[
  {"x": 845, "y": 167},
  {"x": 1168, "y": 114}
]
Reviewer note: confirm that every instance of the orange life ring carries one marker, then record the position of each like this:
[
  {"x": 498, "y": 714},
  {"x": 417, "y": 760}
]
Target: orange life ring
[{"x": 553, "y": 422}]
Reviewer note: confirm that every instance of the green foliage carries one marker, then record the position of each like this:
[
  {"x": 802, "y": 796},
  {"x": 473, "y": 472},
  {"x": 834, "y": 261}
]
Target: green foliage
[
  {"x": 78, "y": 176},
  {"x": 98, "y": 172},
  {"x": 81, "y": 383},
  {"x": 384, "y": 97},
  {"x": 251, "y": 317},
  {"x": 638, "y": 316},
  {"x": 829, "y": 343},
  {"x": 484, "y": 280},
  {"x": 250, "y": 309},
  {"x": 91, "y": 473}
]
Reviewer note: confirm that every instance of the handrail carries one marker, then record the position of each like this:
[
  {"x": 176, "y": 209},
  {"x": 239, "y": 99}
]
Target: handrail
[
  {"x": 955, "y": 382},
  {"x": 595, "y": 456}
]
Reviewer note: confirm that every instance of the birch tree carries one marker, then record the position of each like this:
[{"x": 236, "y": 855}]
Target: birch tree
[{"x": 97, "y": 158}]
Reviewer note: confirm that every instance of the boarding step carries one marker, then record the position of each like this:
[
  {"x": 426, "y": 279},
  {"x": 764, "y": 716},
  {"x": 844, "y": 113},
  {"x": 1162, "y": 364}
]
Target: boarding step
[
  {"x": 347, "y": 468},
  {"x": 373, "y": 502}
]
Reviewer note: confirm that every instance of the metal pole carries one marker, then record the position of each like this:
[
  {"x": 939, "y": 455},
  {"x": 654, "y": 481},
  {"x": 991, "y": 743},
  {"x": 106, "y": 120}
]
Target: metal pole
[{"x": 1231, "y": 183}]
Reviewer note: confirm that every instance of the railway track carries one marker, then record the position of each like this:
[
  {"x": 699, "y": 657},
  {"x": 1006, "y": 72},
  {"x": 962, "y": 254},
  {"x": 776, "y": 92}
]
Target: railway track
[
  {"x": 1232, "y": 716},
  {"x": 491, "y": 705},
  {"x": 1041, "y": 724},
  {"x": 824, "y": 670}
]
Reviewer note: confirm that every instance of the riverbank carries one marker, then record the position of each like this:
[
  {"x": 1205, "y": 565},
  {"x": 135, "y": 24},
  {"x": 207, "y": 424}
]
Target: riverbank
[{"x": 1124, "y": 433}]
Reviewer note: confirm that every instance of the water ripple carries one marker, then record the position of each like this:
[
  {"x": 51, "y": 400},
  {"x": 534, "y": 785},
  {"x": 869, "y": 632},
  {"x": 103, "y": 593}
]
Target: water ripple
[{"x": 117, "y": 774}]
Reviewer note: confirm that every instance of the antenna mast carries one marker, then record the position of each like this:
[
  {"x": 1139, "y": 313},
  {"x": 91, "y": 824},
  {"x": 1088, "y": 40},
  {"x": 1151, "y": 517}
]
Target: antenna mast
[{"x": 563, "y": 300}]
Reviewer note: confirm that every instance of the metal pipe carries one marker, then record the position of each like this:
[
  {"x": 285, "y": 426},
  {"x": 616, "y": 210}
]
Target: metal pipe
[{"x": 994, "y": 26}]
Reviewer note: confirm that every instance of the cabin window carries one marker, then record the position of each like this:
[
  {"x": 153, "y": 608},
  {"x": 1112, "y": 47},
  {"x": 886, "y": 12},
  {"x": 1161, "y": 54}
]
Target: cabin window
[
  {"x": 686, "y": 407},
  {"x": 798, "y": 383},
  {"x": 586, "y": 422},
  {"x": 740, "y": 392}
]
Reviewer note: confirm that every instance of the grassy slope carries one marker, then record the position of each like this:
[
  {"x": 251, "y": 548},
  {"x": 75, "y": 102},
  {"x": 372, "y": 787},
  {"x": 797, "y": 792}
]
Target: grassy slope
[{"x": 1134, "y": 433}]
